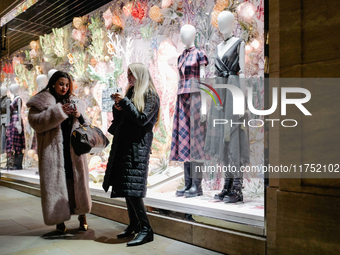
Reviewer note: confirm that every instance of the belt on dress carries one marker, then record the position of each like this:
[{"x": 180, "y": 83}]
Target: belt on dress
[{"x": 225, "y": 74}]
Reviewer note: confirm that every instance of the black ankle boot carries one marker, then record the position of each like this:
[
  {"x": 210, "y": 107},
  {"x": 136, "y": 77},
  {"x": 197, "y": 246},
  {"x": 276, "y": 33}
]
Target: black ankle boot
[
  {"x": 228, "y": 183},
  {"x": 18, "y": 161},
  {"x": 144, "y": 236},
  {"x": 187, "y": 180},
  {"x": 196, "y": 187},
  {"x": 236, "y": 194}
]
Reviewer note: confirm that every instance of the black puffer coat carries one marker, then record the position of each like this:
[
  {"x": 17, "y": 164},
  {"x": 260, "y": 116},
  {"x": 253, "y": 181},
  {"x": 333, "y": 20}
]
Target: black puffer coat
[{"x": 127, "y": 168}]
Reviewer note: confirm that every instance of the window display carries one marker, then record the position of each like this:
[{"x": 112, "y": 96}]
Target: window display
[{"x": 178, "y": 41}]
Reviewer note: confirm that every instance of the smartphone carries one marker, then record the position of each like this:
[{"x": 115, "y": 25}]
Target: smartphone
[
  {"x": 116, "y": 90},
  {"x": 73, "y": 103}
]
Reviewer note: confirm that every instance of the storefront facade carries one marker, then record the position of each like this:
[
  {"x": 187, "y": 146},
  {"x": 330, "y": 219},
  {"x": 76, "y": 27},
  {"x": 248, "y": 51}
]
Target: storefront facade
[{"x": 96, "y": 48}]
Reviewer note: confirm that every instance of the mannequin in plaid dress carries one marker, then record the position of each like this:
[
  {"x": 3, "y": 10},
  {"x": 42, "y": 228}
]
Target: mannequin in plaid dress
[
  {"x": 191, "y": 66},
  {"x": 15, "y": 143}
]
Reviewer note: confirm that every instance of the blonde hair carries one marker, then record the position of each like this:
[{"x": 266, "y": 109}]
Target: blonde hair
[{"x": 143, "y": 84}]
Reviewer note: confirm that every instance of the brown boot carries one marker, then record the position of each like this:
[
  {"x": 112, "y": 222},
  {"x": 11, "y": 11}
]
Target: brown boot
[{"x": 82, "y": 223}]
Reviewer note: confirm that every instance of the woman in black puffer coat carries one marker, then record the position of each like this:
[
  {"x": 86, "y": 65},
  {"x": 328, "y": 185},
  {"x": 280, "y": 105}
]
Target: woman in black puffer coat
[{"x": 135, "y": 115}]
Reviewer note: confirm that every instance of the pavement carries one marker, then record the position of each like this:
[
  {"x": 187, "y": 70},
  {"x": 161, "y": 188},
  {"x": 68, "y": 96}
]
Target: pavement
[{"x": 23, "y": 232}]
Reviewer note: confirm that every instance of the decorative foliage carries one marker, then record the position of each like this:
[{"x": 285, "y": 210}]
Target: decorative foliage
[
  {"x": 249, "y": 30},
  {"x": 104, "y": 79},
  {"x": 173, "y": 11},
  {"x": 205, "y": 27},
  {"x": 146, "y": 32},
  {"x": 25, "y": 78},
  {"x": 7, "y": 68},
  {"x": 96, "y": 49},
  {"x": 78, "y": 59},
  {"x": 55, "y": 47},
  {"x": 139, "y": 11}
]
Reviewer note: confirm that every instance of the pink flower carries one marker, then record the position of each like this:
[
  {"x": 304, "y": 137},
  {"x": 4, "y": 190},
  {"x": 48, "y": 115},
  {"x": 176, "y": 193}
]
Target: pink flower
[
  {"x": 79, "y": 35},
  {"x": 108, "y": 18},
  {"x": 33, "y": 53}
]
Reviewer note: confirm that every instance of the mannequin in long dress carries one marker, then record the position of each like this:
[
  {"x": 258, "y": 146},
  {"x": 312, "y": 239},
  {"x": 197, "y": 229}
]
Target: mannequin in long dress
[
  {"x": 5, "y": 102},
  {"x": 15, "y": 143},
  {"x": 188, "y": 133},
  {"x": 42, "y": 81},
  {"x": 229, "y": 144}
]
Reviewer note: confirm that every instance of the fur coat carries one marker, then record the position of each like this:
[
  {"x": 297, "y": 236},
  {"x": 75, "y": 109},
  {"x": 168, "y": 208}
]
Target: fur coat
[{"x": 45, "y": 117}]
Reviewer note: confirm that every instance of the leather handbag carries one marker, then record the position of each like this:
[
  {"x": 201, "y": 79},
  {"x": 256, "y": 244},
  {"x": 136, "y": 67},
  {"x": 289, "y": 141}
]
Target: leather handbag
[{"x": 88, "y": 139}]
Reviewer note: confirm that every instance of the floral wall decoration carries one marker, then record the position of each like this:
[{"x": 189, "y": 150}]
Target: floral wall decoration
[{"x": 97, "y": 48}]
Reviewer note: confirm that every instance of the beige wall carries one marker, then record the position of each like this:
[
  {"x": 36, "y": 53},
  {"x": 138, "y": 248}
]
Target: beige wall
[{"x": 303, "y": 214}]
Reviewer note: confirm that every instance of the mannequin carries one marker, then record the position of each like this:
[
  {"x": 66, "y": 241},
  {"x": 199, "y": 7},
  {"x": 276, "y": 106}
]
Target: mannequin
[
  {"x": 15, "y": 133},
  {"x": 5, "y": 116},
  {"x": 51, "y": 72},
  {"x": 42, "y": 81},
  {"x": 191, "y": 66},
  {"x": 228, "y": 144}
]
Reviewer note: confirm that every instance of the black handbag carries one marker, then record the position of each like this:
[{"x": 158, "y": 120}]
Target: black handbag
[{"x": 88, "y": 139}]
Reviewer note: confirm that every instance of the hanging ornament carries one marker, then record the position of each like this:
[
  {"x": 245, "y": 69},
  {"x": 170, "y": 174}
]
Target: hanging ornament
[
  {"x": 166, "y": 3},
  {"x": 155, "y": 14},
  {"x": 214, "y": 16},
  {"x": 221, "y": 5}
]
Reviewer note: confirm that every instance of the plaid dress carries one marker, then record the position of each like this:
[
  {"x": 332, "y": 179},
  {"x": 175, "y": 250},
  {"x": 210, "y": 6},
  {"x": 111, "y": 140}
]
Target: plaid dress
[
  {"x": 15, "y": 141},
  {"x": 188, "y": 133}
]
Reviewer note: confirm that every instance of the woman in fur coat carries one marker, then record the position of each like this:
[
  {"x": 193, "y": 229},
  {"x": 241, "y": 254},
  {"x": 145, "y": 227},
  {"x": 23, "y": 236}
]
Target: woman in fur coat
[
  {"x": 64, "y": 176},
  {"x": 135, "y": 115}
]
